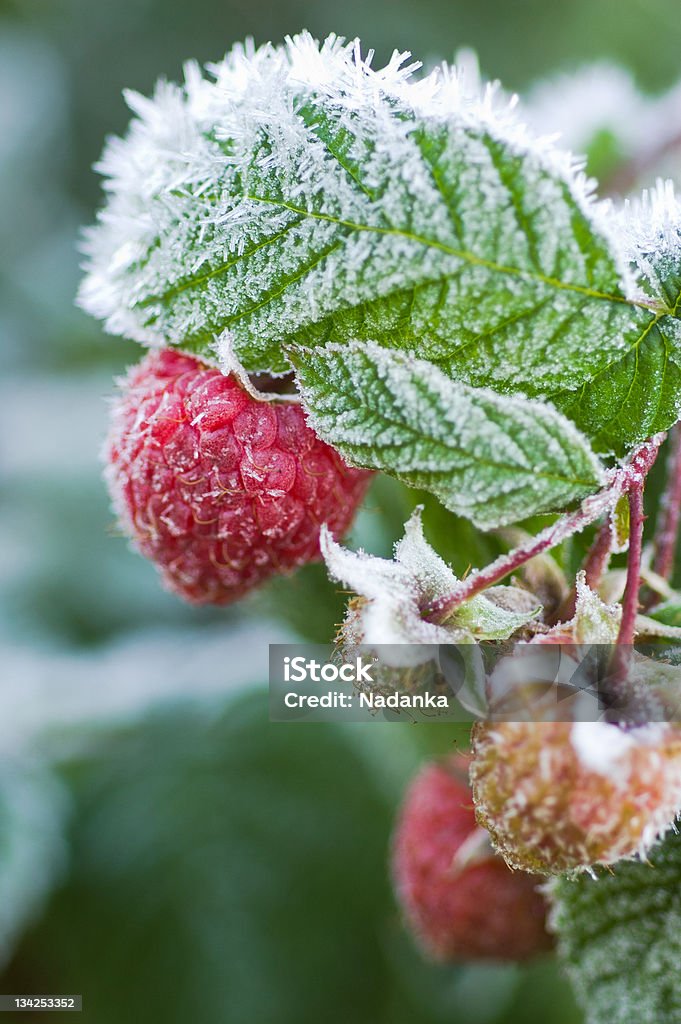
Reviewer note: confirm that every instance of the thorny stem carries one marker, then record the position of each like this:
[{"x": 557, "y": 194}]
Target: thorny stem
[
  {"x": 670, "y": 510},
  {"x": 620, "y": 481}
]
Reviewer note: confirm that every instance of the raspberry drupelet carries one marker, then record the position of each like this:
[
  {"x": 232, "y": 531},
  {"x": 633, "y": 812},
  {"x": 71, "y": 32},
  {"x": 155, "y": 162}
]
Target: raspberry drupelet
[{"x": 220, "y": 490}]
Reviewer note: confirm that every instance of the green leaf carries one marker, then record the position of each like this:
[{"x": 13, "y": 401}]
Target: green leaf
[
  {"x": 620, "y": 938},
  {"x": 492, "y": 458},
  {"x": 634, "y": 396},
  {"x": 364, "y": 206}
]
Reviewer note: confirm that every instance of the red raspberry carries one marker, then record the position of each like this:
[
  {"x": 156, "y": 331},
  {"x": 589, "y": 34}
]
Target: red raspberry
[
  {"x": 220, "y": 490},
  {"x": 562, "y": 796},
  {"x": 459, "y": 897}
]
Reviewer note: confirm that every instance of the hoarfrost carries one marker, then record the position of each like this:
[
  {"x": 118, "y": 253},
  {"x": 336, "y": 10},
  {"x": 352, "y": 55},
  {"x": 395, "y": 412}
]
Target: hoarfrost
[
  {"x": 493, "y": 458},
  {"x": 301, "y": 194},
  {"x": 619, "y": 937},
  {"x": 594, "y": 622},
  {"x": 397, "y": 592}
]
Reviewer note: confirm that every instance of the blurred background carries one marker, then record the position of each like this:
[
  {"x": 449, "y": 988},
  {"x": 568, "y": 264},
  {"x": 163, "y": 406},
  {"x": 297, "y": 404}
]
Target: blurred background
[{"x": 163, "y": 849}]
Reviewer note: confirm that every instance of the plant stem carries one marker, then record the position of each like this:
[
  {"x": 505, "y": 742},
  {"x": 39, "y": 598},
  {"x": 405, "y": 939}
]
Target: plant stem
[
  {"x": 619, "y": 481},
  {"x": 630, "y": 599},
  {"x": 622, "y": 654},
  {"x": 670, "y": 510},
  {"x": 597, "y": 560}
]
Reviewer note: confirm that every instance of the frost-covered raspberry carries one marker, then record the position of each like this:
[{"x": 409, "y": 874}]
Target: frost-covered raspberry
[
  {"x": 561, "y": 796},
  {"x": 458, "y": 896},
  {"x": 220, "y": 490}
]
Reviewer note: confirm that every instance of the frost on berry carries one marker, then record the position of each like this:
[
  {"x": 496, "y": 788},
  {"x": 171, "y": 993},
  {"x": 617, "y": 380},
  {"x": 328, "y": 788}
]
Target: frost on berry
[
  {"x": 458, "y": 896},
  {"x": 563, "y": 796},
  {"x": 219, "y": 490}
]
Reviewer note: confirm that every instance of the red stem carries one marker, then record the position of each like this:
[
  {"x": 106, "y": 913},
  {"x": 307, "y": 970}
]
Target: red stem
[
  {"x": 630, "y": 599},
  {"x": 620, "y": 481},
  {"x": 670, "y": 510},
  {"x": 599, "y": 555}
]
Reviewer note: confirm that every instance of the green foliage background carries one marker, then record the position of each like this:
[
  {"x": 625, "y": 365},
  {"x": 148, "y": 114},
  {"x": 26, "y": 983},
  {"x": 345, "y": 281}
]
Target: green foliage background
[{"x": 212, "y": 867}]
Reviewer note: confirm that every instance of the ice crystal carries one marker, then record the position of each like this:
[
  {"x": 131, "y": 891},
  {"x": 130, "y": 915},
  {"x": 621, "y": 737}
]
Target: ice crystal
[
  {"x": 651, "y": 226},
  {"x": 299, "y": 189}
]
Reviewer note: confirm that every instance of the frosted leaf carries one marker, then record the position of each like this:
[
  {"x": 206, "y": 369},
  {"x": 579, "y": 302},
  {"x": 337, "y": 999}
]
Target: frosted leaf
[
  {"x": 595, "y": 622},
  {"x": 498, "y": 613},
  {"x": 299, "y": 195},
  {"x": 494, "y": 459},
  {"x": 651, "y": 226},
  {"x": 396, "y": 592},
  {"x": 638, "y": 394},
  {"x": 651, "y": 627},
  {"x": 619, "y": 937}
]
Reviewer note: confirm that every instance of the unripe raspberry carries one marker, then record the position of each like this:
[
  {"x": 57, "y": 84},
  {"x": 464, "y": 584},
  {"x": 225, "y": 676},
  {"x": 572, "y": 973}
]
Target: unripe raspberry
[
  {"x": 220, "y": 490},
  {"x": 458, "y": 896},
  {"x": 560, "y": 796}
]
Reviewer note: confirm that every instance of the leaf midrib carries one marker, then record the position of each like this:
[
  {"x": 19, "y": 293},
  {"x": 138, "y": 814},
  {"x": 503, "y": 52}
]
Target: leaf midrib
[{"x": 463, "y": 254}]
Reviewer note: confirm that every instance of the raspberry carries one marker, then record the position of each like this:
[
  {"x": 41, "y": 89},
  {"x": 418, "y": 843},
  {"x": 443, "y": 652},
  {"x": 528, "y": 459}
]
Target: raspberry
[
  {"x": 459, "y": 897},
  {"x": 562, "y": 796},
  {"x": 219, "y": 490}
]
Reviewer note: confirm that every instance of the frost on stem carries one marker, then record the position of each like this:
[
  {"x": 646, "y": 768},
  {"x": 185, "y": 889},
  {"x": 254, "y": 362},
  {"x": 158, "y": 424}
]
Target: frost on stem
[{"x": 621, "y": 481}]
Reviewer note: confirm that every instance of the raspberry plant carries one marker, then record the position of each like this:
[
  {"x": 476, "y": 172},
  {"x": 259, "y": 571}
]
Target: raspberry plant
[{"x": 450, "y": 303}]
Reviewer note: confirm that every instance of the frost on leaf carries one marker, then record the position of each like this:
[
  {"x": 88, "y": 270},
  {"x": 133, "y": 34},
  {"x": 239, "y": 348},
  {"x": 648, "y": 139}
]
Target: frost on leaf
[
  {"x": 296, "y": 194},
  {"x": 639, "y": 393},
  {"x": 494, "y": 459},
  {"x": 620, "y": 938},
  {"x": 394, "y": 593},
  {"x": 595, "y": 622}
]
